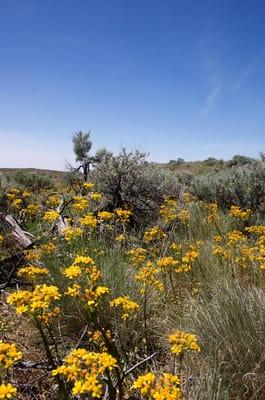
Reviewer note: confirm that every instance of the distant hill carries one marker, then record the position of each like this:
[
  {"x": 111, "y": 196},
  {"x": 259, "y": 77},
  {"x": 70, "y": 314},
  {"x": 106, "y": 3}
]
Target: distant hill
[{"x": 50, "y": 172}]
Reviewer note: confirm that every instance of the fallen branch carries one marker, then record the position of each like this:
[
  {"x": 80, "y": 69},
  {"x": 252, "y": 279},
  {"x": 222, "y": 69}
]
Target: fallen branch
[{"x": 23, "y": 238}]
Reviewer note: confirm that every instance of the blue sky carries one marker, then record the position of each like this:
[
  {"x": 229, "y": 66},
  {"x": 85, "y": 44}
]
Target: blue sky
[{"x": 172, "y": 78}]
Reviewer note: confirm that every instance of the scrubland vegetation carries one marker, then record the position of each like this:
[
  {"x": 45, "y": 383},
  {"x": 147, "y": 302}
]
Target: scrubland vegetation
[{"x": 139, "y": 282}]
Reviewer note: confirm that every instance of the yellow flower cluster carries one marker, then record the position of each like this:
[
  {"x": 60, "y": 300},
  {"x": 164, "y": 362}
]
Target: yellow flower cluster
[
  {"x": 8, "y": 354},
  {"x": 51, "y": 216},
  {"x": 105, "y": 215},
  {"x": 96, "y": 196},
  {"x": 32, "y": 271},
  {"x": 72, "y": 272},
  {"x": 16, "y": 203},
  {"x": 53, "y": 201},
  {"x": 84, "y": 370},
  {"x": 148, "y": 276},
  {"x": 32, "y": 209},
  {"x": 120, "y": 238},
  {"x": 70, "y": 233},
  {"x": 80, "y": 203},
  {"x": 97, "y": 338},
  {"x": 36, "y": 253},
  {"x": 12, "y": 193},
  {"x": 74, "y": 290},
  {"x": 168, "y": 210},
  {"x": 212, "y": 209},
  {"x": 167, "y": 262},
  {"x": 154, "y": 233},
  {"x": 235, "y": 237},
  {"x": 165, "y": 387},
  {"x": 138, "y": 255},
  {"x": 36, "y": 302},
  {"x": 236, "y": 212},
  {"x": 92, "y": 295},
  {"x": 84, "y": 267},
  {"x": 176, "y": 247},
  {"x": 181, "y": 341},
  {"x": 80, "y": 265},
  {"x": 184, "y": 216},
  {"x": 190, "y": 255},
  {"x": 1, "y": 238},
  {"x": 89, "y": 220},
  {"x": 127, "y": 305},
  {"x": 7, "y": 391},
  {"x": 258, "y": 229},
  {"x": 242, "y": 250},
  {"x": 123, "y": 215},
  {"x": 88, "y": 185}
]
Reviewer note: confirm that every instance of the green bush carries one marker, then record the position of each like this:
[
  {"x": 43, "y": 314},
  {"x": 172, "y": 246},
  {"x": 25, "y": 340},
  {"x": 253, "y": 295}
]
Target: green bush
[
  {"x": 128, "y": 181},
  {"x": 243, "y": 186},
  {"x": 32, "y": 181}
]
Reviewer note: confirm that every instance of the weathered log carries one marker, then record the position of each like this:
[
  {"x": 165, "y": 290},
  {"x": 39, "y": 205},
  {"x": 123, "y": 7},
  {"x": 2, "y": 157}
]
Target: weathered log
[
  {"x": 23, "y": 238},
  {"x": 24, "y": 241}
]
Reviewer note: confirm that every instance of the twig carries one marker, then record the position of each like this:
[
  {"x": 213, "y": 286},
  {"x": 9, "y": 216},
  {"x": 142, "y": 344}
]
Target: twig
[
  {"x": 81, "y": 337},
  {"x": 140, "y": 363}
]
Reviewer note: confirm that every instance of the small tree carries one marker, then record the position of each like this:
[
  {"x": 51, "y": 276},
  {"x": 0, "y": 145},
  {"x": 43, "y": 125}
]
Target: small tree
[{"x": 81, "y": 147}]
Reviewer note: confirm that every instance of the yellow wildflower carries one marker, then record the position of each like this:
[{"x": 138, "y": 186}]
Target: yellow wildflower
[
  {"x": 165, "y": 387},
  {"x": 105, "y": 215},
  {"x": 84, "y": 370},
  {"x": 71, "y": 234},
  {"x": 89, "y": 220},
  {"x": 168, "y": 210},
  {"x": 80, "y": 203},
  {"x": 127, "y": 305},
  {"x": 72, "y": 272},
  {"x": 148, "y": 276},
  {"x": 73, "y": 291},
  {"x": 7, "y": 391},
  {"x": 34, "y": 302},
  {"x": 184, "y": 216},
  {"x": 93, "y": 295},
  {"x": 154, "y": 233},
  {"x": 53, "y": 201},
  {"x": 88, "y": 185},
  {"x": 123, "y": 215},
  {"x": 212, "y": 209},
  {"x": 51, "y": 216},
  {"x": 16, "y": 203},
  {"x": 167, "y": 262},
  {"x": 138, "y": 255},
  {"x": 32, "y": 209},
  {"x": 96, "y": 196},
  {"x": 32, "y": 271},
  {"x": 236, "y": 212},
  {"x": 8, "y": 354},
  {"x": 120, "y": 238},
  {"x": 83, "y": 260},
  {"x": 181, "y": 341}
]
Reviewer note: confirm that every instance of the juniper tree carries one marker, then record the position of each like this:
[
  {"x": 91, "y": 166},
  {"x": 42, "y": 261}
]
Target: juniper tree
[{"x": 81, "y": 147}]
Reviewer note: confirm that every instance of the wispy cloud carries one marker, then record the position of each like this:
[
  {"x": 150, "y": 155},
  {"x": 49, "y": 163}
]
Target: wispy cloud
[
  {"x": 210, "y": 56},
  {"x": 211, "y": 99}
]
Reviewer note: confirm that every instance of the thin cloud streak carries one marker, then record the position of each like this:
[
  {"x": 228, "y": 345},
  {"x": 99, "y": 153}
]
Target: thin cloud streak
[{"x": 211, "y": 99}]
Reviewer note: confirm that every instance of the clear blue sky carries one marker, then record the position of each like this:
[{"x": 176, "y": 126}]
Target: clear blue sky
[{"x": 172, "y": 78}]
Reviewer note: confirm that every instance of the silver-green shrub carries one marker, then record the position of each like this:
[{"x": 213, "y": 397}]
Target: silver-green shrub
[
  {"x": 128, "y": 180},
  {"x": 239, "y": 185}
]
